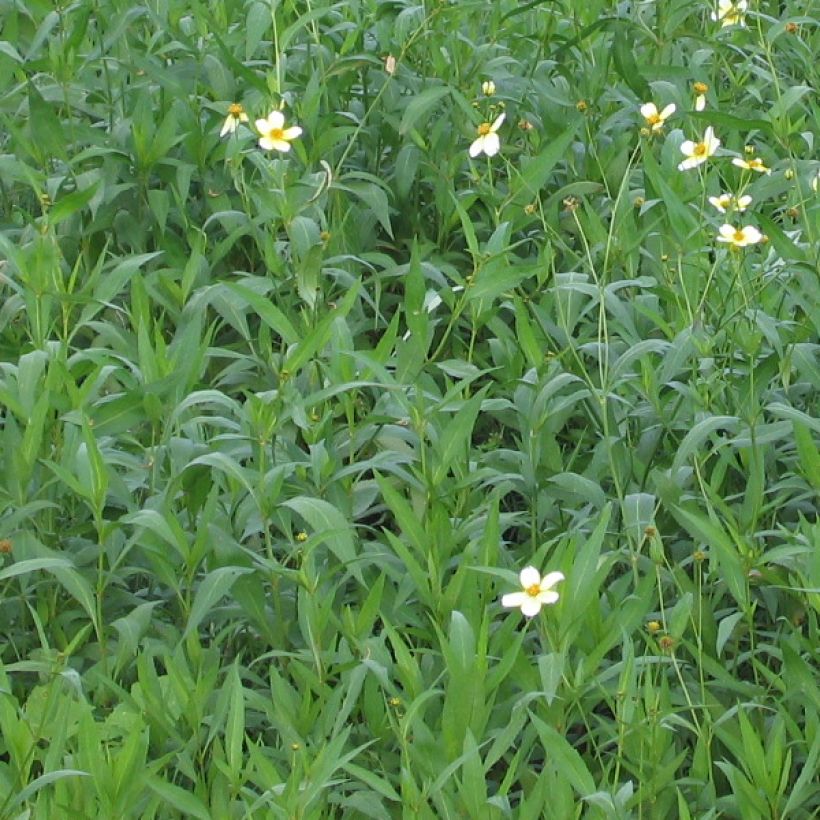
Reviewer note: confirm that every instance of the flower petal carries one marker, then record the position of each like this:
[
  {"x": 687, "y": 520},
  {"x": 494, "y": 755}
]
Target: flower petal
[
  {"x": 492, "y": 144},
  {"x": 531, "y": 607},
  {"x": 649, "y": 110},
  {"x": 529, "y": 577},
  {"x": 292, "y": 133},
  {"x": 668, "y": 111},
  {"x": 548, "y": 596},
  {"x": 550, "y": 580},
  {"x": 514, "y": 599},
  {"x": 477, "y": 147},
  {"x": 718, "y": 202},
  {"x": 497, "y": 122},
  {"x": 276, "y": 119}
]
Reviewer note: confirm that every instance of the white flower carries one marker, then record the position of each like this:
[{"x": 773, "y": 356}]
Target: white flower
[
  {"x": 726, "y": 202},
  {"x": 739, "y": 237},
  {"x": 537, "y": 591},
  {"x": 236, "y": 114},
  {"x": 274, "y": 135},
  {"x": 699, "y": 152},
  {"x": 700, "y": 102},
  {"x": 488, "y": 88},
  {"x": 488, "y": 141},
  {"x": 730, "y": 13},
  {"x": 751, "y": 165},
  {"x": 654, "y": 118}
]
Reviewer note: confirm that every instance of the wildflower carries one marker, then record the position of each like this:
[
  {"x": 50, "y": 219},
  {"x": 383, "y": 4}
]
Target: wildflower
[
  {"x": 570, "y": 204},
  {"x": 739, "y": 237},
  {"x": 729, "y": 202},
  {"x": 653, "y": 627},
  {"x": 488, "y": 140},
  {"x": 274, "y": 135},
  {"x": 654, "y": 118},
  {"x": 236, "y": 114},
  {"x": 525, "y": 125},
  {"x": 537, "y": 591},
  {"x": 390, "y": 64},
  {"x": 488, "y": 88},
  {"x": 666, "y": 642},
  {"x": 699, "y": 152},
  {"x": 753, "y": 164},
  {"x": 582, "y": 105},
  {"x": 731, "y": 14},
  {"x": 700, "y": 90},
  {"x": 792, "y": 27}
]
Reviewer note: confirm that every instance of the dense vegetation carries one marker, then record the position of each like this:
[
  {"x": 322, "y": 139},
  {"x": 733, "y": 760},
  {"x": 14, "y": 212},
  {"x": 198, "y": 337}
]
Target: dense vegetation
[{"x": 321, "y": 321}]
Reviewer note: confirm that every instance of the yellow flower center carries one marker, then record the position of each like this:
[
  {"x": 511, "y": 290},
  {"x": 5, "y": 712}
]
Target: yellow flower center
[
  {"x": 484, "y": 129},
  {"x": 276, "y": 134},
  {"x": 755, "y": 164},
  {"x": 654, "y": 119},
  {"x": 534, "y": 590},
  {"x": 701, "y": 88},
  {"x": 235, "y": 109},
  {"x": 739, "y": 237},
  {"x": 700, "y": 150}
]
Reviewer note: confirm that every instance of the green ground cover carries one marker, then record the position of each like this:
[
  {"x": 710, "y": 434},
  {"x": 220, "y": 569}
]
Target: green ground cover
[{"x": 320, "y": 322}]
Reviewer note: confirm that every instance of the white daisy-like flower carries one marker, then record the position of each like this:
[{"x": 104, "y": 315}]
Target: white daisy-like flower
[
  {"x": 236, "y": 114},
  {"x": 488, "y": 141},
  {"x": 730, "y": 202},
  {"x": 698, "y": 152},
  {"x": 739, "y": 237},
  {"x": 752, "y": 165},
  {"x": 537, "y": 591},
  {"x": 731, "y": 13},
  {"x": 273, "y": 134},
  {"x": 488, "y": 88},
  {"x": 654, "y": 118}
]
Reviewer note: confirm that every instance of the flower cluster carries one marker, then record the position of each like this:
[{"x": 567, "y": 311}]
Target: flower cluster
[
  {"x": 273, "y": 136},
  {"x": 697, "y": 152}
]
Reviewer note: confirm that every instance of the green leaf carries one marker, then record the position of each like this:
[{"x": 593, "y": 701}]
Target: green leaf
[
  {"x": 329, "y": 526},
  {"x": 180, "y": 799},
  {"x": 566, "y": 760},
  {"x": 214, "y": 587},
  {"x": 420, "y": 107}
]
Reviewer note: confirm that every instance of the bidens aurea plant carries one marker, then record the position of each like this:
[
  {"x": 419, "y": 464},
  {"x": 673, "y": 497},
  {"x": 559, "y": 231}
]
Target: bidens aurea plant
[
  {"x": 730, "y": 202},
  {"x": 698, "y": 152},
  {"x": 731, "y": 14},
  {"x": 739, "y": 237},
  {"x": 654, "y": 118},
  {"x": 273, "y": 134},
  {"x": 488, "y": 141},
  {"x": 236, "y": 114},
  {"x": 537, "y": 591}
]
